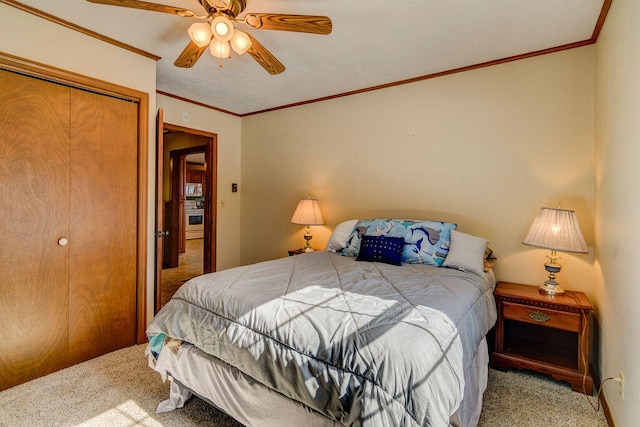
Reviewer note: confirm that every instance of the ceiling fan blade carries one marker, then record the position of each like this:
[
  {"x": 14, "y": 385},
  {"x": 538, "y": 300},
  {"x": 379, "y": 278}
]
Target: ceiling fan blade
[
  {"x": 154, "y": 7},
  {"x": 264, "y": 57},
  {"x": 189, "y": 55},
  {"x": 298, "y": 23}
]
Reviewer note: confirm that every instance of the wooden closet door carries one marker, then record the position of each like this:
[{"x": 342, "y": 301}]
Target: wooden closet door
[
  {"x": 103, "y": 209},
  {"x": 34, "y": 215}
]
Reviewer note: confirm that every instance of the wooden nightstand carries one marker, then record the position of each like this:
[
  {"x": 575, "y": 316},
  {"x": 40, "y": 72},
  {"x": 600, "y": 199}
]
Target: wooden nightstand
[
  {"x": 296, "y": 252},
  {"x": 548, "y": 334}
]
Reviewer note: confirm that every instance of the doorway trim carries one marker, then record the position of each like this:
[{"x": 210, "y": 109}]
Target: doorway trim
[{"x": 210, "y": 195}]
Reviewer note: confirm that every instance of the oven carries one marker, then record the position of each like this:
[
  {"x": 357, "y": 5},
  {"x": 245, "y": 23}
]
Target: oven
[{"x": 194, "y": 224}]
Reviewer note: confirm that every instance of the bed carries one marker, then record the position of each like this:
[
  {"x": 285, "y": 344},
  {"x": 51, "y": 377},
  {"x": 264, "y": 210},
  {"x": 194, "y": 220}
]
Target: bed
[{"x": 364, "y": 336}]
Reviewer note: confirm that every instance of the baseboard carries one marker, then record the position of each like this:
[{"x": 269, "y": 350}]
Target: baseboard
[
  {"x": 606, "y": 410},
  {"x": 603, "y": 400}
]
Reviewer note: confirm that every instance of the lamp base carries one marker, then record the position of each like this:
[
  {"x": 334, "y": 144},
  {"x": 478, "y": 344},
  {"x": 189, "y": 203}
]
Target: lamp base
[
  {"x": 552, "y": 290},
  {"x": 551, "y": 287},
  {"x": 307, "y": 238}
]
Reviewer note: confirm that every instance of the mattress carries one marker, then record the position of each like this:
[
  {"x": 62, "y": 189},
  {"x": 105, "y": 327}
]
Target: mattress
[{"x": 356, "y": 343}]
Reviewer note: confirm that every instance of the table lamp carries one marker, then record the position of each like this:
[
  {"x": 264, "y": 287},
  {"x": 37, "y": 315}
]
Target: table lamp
[
  {"x": 307, "y": 213},
  {"x": 558, "y": 230}
]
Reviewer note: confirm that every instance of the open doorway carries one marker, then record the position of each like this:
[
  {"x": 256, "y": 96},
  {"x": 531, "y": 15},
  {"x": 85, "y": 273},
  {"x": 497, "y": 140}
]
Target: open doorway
[
  {"x": 185, "y": 216},
  {"x": 186, "y": 207}
]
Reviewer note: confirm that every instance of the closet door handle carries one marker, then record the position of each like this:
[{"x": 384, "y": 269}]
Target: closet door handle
[
  {"x": 63, "y": 241},
  {"x": 162, "y": 233}
]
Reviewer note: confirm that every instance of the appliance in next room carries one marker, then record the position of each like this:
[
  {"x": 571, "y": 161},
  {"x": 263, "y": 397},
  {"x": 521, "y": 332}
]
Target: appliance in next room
[
  {"x": 194, "y": 228},
  {"x": 193, "y": 190}
]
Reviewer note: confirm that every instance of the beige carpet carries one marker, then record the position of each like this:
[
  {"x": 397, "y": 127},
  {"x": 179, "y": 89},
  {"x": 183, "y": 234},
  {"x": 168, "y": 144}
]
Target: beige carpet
[{"x": 119, "y": 389}]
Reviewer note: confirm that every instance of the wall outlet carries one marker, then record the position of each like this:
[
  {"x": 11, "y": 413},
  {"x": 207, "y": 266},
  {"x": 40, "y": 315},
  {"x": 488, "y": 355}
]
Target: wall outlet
[{"x": 621, "y": 389}]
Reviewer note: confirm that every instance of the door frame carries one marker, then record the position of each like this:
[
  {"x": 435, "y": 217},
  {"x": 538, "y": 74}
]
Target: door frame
[
  {"x": 210, "y": 195},
  {"x": 43, "y": 71}
]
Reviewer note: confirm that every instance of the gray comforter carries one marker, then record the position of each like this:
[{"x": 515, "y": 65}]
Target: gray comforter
[{"x": 362, "y": 343}]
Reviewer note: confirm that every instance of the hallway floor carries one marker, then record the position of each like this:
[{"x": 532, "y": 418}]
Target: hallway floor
[{"x": 190, "y": 264}]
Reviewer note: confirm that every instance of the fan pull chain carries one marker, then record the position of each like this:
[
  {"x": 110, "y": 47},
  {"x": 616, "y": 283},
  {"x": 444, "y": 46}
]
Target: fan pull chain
[{"x": 229, "y": 57}]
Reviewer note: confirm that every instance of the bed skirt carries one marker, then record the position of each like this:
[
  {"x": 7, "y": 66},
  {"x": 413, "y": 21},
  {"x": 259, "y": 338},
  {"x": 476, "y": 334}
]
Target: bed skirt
[{"x": 253, "y": 404}]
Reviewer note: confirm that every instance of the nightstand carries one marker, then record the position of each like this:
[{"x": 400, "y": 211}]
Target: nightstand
[
  {"x": 547, "y": 334},
  {"x": 296, "y": 252}
]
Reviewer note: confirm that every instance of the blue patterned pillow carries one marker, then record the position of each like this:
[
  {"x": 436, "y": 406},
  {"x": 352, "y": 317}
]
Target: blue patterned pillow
[
  {"x": 381, "y": 249},
  {"x": 425, "y": 242}
]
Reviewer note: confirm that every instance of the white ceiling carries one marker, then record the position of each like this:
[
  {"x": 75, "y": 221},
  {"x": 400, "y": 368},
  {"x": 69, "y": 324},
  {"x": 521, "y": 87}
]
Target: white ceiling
[{"x": 374, "y": 42}]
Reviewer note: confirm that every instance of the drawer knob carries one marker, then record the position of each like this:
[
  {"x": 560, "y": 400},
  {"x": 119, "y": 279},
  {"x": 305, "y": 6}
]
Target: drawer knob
[{"x": 538, "y": 316}]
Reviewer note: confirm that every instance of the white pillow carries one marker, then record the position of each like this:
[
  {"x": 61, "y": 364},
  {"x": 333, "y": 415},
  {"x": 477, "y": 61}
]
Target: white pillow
[
  {"x": 466, "y": 252},
  {"x": 338, "y": 239}
]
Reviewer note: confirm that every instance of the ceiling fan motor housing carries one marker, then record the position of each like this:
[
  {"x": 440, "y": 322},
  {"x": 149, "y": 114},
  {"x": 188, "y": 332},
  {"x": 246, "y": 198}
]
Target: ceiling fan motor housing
[{"x": 230, "y": 7}]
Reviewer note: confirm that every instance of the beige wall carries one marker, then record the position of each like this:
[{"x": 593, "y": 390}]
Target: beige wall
[
  {"x": 227, "y": 127},
  {"x": 486, "y": 149},
  {"x": 60, "y": 47},
  {"x": 617, "y": 284}
]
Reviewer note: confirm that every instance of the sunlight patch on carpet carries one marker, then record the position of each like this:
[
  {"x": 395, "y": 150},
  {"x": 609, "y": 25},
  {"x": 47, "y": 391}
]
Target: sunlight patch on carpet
[{"x": 125, "y": 414}]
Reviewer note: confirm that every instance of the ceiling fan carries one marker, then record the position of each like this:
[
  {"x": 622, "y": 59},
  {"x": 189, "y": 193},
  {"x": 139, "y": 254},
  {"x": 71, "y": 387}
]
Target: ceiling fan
[{"x": 220, "y": 35}]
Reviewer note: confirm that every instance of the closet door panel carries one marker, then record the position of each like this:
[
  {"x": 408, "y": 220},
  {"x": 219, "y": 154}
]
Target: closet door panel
[
  {"x": 34, "y": 212},
  {"x": 103, "y": 200}
]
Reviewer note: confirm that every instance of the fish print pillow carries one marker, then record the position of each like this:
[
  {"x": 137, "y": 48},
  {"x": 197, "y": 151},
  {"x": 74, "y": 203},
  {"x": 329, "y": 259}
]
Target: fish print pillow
[{"x": 425, "y": 242}]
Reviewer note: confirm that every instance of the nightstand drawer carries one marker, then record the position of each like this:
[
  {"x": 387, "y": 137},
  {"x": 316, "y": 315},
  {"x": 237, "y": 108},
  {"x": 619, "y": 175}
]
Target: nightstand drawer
[{"x": 541, "y": 316}]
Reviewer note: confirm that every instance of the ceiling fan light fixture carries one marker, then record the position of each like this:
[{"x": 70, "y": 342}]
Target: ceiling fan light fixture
[
  {"x": 220, "y": 16},
  {"x": 219, "y": 49},
  {"x": 240, "y": 42},
  {"x": 222, "y": 28},
  {"x": 200, "y": 33}
]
